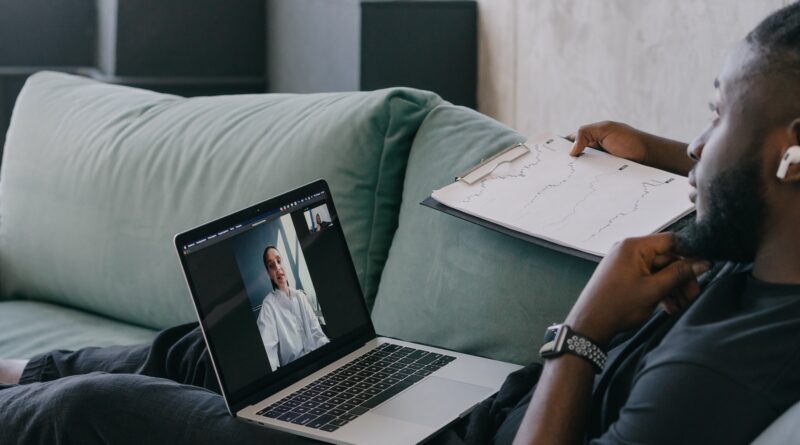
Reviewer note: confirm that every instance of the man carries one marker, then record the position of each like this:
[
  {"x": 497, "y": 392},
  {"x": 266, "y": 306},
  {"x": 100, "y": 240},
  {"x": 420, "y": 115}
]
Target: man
[
  {"x": 716, "y": 365},
  {"x": 725, "y": 369},
  {"x": 321, "y": 224}
]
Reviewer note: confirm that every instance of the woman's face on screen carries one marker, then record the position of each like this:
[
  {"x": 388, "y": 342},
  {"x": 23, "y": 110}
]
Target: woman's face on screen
[{"x": 275, "y": 268}]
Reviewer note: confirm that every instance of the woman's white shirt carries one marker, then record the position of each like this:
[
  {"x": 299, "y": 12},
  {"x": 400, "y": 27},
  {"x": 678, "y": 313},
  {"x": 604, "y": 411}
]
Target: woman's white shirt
[{"x": 289, "y": 328}]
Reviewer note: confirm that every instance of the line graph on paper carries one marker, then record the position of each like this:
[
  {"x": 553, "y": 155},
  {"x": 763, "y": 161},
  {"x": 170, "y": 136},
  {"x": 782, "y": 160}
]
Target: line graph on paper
[{"x": 586, "y": 203}]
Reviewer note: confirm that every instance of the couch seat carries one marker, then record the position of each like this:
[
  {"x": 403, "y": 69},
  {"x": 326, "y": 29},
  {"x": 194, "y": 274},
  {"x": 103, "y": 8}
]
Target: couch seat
[{"x": 29, "y": 328}]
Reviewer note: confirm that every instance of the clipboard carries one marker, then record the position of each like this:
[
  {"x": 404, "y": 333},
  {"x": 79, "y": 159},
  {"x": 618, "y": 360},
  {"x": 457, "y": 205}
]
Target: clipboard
[
  {"x": 436, "y": 205},
  {"x": 487, "y": 167}
]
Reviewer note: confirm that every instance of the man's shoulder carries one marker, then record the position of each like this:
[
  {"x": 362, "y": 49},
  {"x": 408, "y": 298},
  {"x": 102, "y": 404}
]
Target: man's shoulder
[{"x": 750, "y": 342}]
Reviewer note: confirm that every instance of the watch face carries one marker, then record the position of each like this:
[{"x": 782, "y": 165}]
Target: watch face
[
  {"x": 550, "y": 333},
  {"x": 550, "y": 347}
]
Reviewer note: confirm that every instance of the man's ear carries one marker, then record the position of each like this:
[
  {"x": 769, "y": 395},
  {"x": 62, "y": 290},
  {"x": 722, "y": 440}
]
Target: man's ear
[
  {"x": 793, "y": 169},
  {"x": 794, "y": 132}
]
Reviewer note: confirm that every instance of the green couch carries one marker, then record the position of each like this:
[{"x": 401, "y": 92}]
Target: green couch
[{"x": 96, "y": 179}]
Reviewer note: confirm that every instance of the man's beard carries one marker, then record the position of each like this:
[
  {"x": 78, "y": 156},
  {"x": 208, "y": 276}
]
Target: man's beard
[{"x": 730, "y": 229}]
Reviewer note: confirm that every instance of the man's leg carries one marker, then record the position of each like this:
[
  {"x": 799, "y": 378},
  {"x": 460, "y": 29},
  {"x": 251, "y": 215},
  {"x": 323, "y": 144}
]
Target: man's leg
[
  {"x": 177, "y": 353},
  {"x": 163, "y": 392},
  {"x": 101, "y": 408}
]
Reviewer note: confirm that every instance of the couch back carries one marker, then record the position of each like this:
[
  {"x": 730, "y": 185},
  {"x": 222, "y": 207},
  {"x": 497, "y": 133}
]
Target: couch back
[
  {"x": 452, "y": 283},
  {"x": 96, "y": 179}
]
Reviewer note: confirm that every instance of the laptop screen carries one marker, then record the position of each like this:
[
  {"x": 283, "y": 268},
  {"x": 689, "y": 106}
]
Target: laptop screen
[{"x": 274, "y": 287}]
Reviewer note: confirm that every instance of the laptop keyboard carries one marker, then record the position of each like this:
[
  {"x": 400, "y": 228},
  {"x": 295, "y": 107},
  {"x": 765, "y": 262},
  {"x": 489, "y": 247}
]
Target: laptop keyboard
[{"x": 339, "y": 397}]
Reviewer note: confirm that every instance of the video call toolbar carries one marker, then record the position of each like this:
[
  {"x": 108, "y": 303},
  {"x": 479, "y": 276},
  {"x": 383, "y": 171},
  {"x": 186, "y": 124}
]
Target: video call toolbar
[{"x": 270, "y": 214}]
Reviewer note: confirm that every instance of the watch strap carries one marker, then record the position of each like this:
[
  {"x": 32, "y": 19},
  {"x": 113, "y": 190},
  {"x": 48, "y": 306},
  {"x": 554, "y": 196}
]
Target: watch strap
[{"x": 565, "y": 340}]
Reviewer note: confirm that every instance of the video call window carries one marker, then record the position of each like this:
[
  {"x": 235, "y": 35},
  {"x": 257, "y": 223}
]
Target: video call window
[
  {"x": 318, "y": 218},
  {"x": 273, "y": 289},
  {"x": 278, "y": 284}
]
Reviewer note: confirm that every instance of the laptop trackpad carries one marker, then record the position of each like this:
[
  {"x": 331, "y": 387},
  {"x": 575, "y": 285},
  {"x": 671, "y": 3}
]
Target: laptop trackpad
[{"x": 433, "y": 401}]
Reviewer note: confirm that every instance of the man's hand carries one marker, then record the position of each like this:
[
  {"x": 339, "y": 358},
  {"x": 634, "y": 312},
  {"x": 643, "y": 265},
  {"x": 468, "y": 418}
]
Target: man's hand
[
  {"x": 618, "y": 139},
  {"x": 629, "y": 143},
  {"x": 636, "y": 276}
]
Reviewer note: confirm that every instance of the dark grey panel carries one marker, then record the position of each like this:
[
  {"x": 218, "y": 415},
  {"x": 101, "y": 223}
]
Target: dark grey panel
[
  {"x": 5, "y": 112},
  {"x": 313, "y": 45},
  {"x": 188, "y": 38},
  {"x": 188, "y": 85},
  {"x": 431, "y": 45},
  {"x": 47, "y": 32},
  {"x": 10, "y": 87}
]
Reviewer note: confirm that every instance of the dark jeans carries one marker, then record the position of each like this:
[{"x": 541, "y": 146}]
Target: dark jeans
[{"x": 167, "y": 393}]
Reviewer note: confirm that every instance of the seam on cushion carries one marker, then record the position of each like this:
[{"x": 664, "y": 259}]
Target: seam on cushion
[
  {"x": 375, "y": 201},
  {"x": 432, "y": 108},
  {"x": 378, "y": 181}
]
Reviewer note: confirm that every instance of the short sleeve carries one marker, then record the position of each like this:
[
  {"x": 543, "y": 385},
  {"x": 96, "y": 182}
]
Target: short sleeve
[{"x": 688, "y": 404}]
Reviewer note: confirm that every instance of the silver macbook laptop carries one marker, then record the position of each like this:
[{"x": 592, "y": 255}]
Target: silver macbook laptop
[{"x": 291, "y": 339}]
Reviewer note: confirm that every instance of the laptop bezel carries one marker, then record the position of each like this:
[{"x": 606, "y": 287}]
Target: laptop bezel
[{"x": 304, "y": 366}]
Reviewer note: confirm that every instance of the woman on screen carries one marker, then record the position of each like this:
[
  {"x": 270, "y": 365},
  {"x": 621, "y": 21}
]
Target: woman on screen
[{"x": 288, "y": 326}]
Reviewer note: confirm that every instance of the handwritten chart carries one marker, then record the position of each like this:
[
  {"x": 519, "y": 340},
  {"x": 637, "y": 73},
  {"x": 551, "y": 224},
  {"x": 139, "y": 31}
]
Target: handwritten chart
[{"x": 586, "y": 203}]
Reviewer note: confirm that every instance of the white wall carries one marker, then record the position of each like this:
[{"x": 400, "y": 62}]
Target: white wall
[{"x": 552, "y": 65}]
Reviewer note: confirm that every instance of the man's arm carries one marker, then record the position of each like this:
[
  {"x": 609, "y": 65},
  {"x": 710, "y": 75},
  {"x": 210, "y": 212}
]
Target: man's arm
[
  {"x": 557, "y": 413},
  {"x": 627, "y": 142},
  {"x": 636, "y": 276}
]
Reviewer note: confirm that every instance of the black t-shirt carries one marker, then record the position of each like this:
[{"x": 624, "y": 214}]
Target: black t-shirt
[{"x": 719, "y": 373}]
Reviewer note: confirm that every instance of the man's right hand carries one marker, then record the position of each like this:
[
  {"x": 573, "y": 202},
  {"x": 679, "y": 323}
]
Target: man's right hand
[{"x": 626, "y": 142}]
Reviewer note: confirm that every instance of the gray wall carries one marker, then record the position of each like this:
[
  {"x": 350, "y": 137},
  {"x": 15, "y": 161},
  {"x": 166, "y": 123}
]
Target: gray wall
[
  {"x": 552, "y": 65},
  {"x": 352, "y": 45},
  {"x": 313, "y": 45}
]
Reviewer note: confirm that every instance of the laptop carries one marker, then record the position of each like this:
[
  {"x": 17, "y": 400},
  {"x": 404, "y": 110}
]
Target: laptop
[{"x": 291, "y": 338}]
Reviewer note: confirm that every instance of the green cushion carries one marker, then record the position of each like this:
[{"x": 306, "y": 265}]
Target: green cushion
[
  {"x": 96, "y": 179},
  {"x": 28, "y": 328},
  {"x": 451, "y": 283}
]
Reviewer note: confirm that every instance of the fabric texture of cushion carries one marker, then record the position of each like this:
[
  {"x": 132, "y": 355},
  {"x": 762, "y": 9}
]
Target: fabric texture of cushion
[
  {"x": 96, "y": 179},
  {"x": 455, "y": 284},
  {"x": 28, "y": 328}
]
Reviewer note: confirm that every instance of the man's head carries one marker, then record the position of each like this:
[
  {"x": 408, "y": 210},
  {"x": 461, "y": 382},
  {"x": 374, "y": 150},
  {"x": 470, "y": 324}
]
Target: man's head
[
  {"x": 755, "y": 121},
  {"x": 319, "y": 219}
]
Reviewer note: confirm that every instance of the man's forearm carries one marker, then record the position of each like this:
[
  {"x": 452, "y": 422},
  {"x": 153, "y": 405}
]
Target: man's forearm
[
  {"x": 557, "y": 412},
  {"x": 668, "y": 154}
]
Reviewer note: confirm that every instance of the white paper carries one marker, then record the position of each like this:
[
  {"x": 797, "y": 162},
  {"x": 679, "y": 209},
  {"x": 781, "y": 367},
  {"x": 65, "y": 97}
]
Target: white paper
[{"x": 586, "y": 203}]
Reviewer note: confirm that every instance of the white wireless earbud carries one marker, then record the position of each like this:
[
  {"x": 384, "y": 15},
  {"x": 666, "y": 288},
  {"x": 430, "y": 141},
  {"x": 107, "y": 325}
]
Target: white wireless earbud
[{"x": 792, "y": 156}]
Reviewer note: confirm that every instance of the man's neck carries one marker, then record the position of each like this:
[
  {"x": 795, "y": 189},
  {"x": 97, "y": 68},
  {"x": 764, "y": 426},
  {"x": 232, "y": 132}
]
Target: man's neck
[{"x": 778, "y": 256}]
